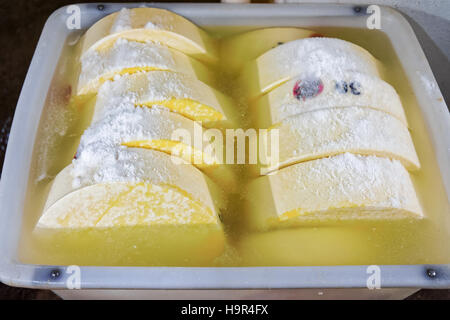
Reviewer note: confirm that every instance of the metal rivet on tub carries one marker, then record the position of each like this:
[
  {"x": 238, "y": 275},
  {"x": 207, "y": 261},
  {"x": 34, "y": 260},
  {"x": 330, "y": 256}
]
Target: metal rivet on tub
[
  {"x": 100, "y": 7},
  {"x": 357, "y": 9},
  {"x": 431, "y": 273},
  {"x": 54, "y": 274}
]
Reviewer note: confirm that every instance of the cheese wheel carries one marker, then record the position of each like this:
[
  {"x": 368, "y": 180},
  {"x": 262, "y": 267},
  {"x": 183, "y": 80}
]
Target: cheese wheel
[
  {"x": 163, "y": 208},
  {"x": 300, "y": 95},
  {"x": 343, "y": 187},
  {"x": 328, "y": 132},
  {"x": 161, "y": 130},
  {"x": 236, "y": 51},
  {"x": 136, "y": 165},
  {"x": 151, "y": 25},
  {"x": 175, "y": 91},
  {"x": 310, "y": 57},
  {"x": 125, "y": 57}
]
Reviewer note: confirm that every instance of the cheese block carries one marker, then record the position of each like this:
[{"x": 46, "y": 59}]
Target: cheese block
[
  {"x": 125, "y": 164},
  {"x": 236, "y": 52},
  {"x": 161, "y": 130},
  {"x": 176, "y": 92},
  {"x": 308, "y": 58},
  {"x": 343, "y": 187},
  {"x": 124, "y": 57},
  {"x": 162, "y": 208},
  {"x": 300, "y": 95},
  {"x": 151, "y": 25},
  {"x": 327, "y": 132}
]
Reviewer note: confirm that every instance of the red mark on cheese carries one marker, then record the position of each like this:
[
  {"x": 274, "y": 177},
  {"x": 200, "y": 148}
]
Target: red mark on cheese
[{"x": 307, "y": 88}]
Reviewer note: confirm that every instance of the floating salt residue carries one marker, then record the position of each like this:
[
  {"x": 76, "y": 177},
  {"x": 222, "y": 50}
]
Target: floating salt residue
[
  {"x": 122, "y": 21},
  {"x": 156, "y": 21},
  {"x": 151, "y": 25},
  {"x": 429, "y": 84},
  {"x": 101, "y": 158},
  {"x": 160, "y": 21}
]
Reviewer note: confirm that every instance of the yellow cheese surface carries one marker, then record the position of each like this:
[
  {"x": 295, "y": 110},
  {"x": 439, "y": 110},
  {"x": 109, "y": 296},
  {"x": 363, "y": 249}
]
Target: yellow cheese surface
[
  {"x": 172, "y": 208},
  {"x": 162, "y": 225},
  {"x": 126, "y": 204},
  {"x": 189, "y": 108}
]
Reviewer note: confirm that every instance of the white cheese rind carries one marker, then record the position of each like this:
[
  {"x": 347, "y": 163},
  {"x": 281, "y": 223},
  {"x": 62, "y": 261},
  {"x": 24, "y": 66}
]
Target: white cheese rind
[
  {"x": 157, "y": 86},
  {"x": 351, "y": 89},
  {"x": 151, "y": 25},
  {"x": 343, "y": 187},
  {"x": 123, "y": 55},
  {"x": 135, "y": 165},
  {"x": 309, "y": 57},
  {"x": 333, "y": 131}
]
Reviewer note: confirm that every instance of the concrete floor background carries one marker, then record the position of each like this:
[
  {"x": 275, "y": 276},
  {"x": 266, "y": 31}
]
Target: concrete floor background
[{"x": 20, "y": 26}]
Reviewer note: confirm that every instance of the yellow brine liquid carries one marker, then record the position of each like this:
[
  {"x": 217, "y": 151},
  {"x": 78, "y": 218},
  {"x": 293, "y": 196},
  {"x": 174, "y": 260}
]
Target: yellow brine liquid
[{"x": 64, "y": 119}]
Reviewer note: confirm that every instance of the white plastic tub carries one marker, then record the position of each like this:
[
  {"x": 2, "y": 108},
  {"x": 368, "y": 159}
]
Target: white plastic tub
[{"x": 397, "y": 281}]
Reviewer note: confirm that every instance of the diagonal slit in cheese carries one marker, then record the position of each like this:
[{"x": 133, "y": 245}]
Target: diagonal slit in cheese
[
  {"x": 128, "y": 57},
  {"x": 174, "y": 91},
  {"x": 115, "y": 221},
  {"x": 327, "y": 132},
  {"x": 373, "y": 92},
  {"x": 189, "y": 108}
]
